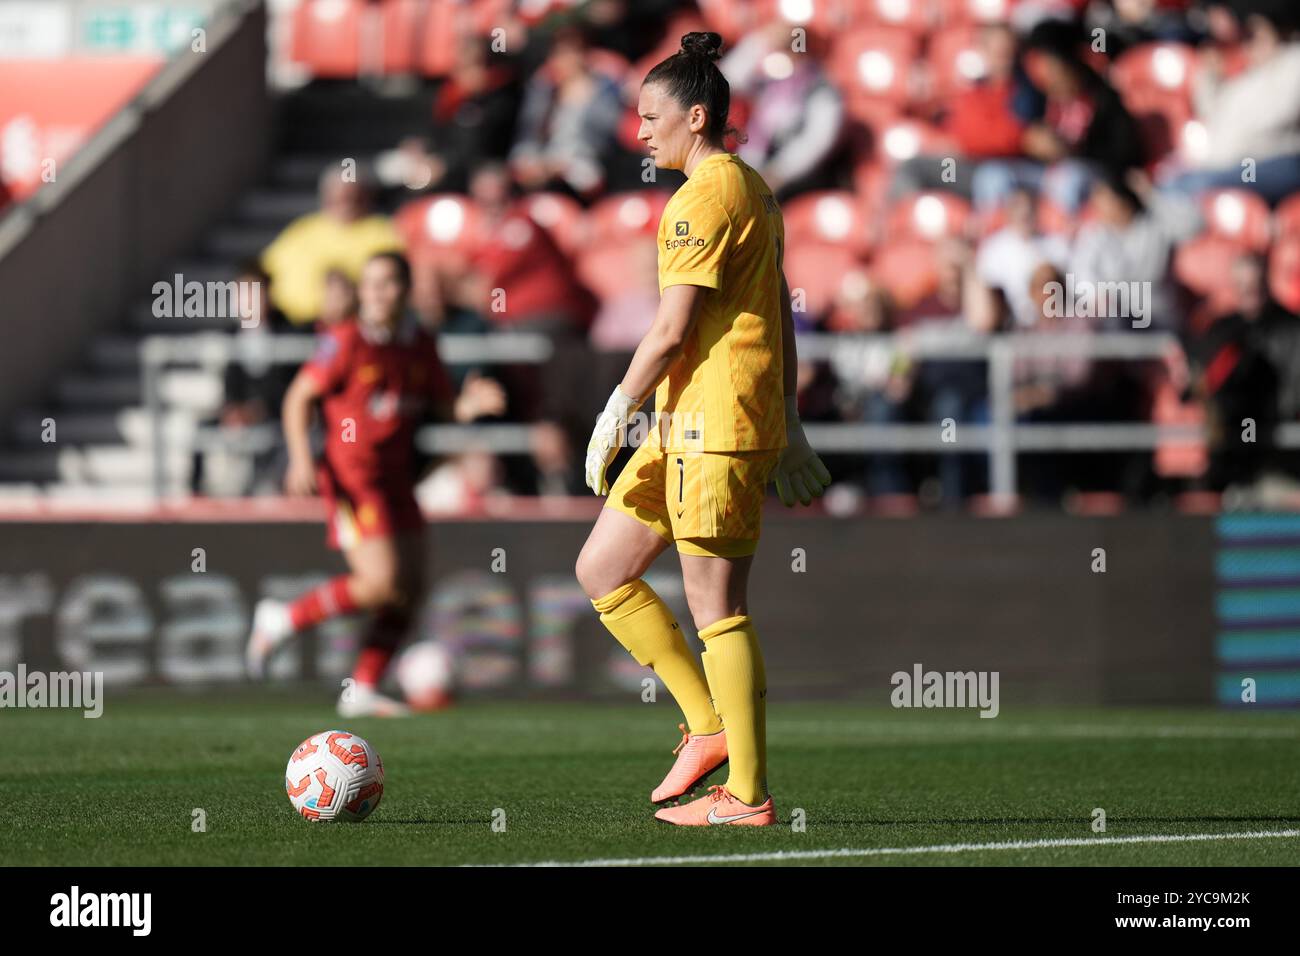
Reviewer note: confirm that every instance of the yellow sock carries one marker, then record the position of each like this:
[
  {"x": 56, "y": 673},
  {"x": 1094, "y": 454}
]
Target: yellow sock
[
  {"x": 734, "y": 665},
  {"x": 642, "y": 623}
]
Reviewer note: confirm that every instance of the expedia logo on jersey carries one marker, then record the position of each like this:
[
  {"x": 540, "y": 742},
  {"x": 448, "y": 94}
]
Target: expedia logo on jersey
[{"x": 682, "y": 229}]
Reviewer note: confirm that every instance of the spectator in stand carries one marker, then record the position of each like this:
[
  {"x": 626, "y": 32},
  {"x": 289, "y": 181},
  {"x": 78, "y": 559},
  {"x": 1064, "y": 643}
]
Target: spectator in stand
[
  {"x": 797, "y": 116},
  {"x": 339, "y": 300},
  {"x": 1233, "y": 376},
  {"x": 343, "y": 235},
  {"x": 253, "y": 388},
  {"x": 1008, "y": 258},
  {"x": 875, "y": 377},
  {"x": 1253, "y": 116},
  {"x": 474, "y": 116},
  {"x": 625, "y": 317},
  {"x": 520, "y": 281},
  {"x": 558, "y": 471},
  {"x": 568, "y": 120},
  {"x": 1131, "y": 241},
  {"x": 1276, "y": 330},
  {"x": 518, "y": 277},
  {"x": 980, "y": 121},
  {"x": 1076, "y": 127},
  {"x": 1050, "y": 388},
  {"x": 462, "y": 484},
  {"x": 954, "y": 388},
  {"x": 632, "y": 28},
  {"x": 1128, "y": 23},
  {"x": 1279, "y": 335}
]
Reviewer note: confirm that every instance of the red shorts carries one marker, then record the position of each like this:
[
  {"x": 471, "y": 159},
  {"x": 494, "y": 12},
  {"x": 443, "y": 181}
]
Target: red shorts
[{"x": 356, "y": 511}]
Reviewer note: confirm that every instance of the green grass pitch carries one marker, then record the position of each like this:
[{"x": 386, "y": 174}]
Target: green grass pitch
[{"x": 573, "y": 781}]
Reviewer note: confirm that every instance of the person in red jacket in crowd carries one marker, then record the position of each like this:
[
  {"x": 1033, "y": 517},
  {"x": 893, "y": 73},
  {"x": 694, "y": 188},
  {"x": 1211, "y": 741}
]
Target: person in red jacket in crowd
[
  {"x": 518, "y": 277},
  {"x": 375, "y": 379},
  {"x": 980, "y": 121}
]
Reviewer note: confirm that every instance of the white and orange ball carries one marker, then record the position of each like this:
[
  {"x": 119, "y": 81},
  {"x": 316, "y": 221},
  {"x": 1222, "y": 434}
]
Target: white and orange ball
[{"x": 335, "y": 775}]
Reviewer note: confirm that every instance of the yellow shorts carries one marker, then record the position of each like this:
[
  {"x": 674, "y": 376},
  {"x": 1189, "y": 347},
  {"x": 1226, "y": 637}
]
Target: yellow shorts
[{"x": 708, "y": 502}]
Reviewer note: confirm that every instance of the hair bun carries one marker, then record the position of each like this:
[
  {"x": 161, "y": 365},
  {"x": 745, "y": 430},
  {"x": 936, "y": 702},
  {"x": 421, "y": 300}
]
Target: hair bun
[{"x": 702, "y": 44}]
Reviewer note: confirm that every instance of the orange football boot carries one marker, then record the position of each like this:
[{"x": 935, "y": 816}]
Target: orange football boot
[
  {"x": 698, "y": 755},
  {"x": 718, "y": 807}
]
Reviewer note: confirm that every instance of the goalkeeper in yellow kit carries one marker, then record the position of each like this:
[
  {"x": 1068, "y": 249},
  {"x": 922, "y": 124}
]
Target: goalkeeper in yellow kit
[{"x": 720, "y": 358}]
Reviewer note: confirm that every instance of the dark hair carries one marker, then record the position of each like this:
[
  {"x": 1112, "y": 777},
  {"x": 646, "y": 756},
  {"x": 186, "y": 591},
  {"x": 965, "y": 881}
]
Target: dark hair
[
  {"x": 252, "y": 268},
  {"x": 689, "y": 76},
  {"x": 400, "y": 263},
  {"x": 1116, "y": 181}
]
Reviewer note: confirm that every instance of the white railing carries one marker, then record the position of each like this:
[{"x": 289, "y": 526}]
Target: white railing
[
  {"x": 1002, "y": 439},
  {"x": 216, "y": 349}
]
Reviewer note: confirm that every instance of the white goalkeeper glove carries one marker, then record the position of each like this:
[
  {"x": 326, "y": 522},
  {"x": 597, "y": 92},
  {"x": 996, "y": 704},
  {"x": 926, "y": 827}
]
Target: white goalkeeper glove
[
  {"x": 799, "y": 472},
  {"x": 607, "y": 436}
]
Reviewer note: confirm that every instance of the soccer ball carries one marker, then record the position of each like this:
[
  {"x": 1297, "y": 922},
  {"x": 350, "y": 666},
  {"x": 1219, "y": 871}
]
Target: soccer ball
[
  {"x": 424, "y": 672},
  {"x": 334, "y": 775}
]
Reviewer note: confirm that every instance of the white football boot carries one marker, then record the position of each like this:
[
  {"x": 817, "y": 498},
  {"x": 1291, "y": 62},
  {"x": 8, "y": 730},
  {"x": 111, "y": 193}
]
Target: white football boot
[
  {"x": 271, "y": 630},
  {"x": 359, "y": 700}
]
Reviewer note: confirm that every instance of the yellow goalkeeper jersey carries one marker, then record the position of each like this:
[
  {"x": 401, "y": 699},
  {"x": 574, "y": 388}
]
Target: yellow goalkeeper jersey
[{"x": 723, "y": 230}]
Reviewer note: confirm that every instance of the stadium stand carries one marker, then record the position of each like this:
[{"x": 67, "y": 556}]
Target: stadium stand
[{"x": 421, "y": 96}]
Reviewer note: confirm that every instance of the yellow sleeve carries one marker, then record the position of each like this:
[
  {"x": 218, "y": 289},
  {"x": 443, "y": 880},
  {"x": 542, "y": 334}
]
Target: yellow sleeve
[
  {"x": 695, "y": 238},
  {"x": 382, "y": 236},
  {"x": 294, "y": 288}
]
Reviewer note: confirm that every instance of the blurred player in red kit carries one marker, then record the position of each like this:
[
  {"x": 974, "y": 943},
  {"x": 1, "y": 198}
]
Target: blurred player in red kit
[{"x": 376, "y": 379}]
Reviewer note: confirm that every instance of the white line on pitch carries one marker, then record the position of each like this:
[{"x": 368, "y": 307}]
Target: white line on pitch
[
  {"x": 987, "y": 731},
  {"x": 795, "y": 855}
]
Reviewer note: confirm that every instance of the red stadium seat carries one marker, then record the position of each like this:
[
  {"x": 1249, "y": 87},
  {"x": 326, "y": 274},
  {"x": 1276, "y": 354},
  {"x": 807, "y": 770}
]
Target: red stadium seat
[
  {"x": 829, "y": 18},
  {"x": 561, "y": 216},
  {"x": 326, "y": 37},
  {"x": 907, "y": 270},
  {"x": 399, "y": 32},
  {"x": 734, "y": 18},
  {"x": 1238, "y": 216},
  {"x": 955, "y": 12},
  {"x": 1155, "y": 81},
  {"x": 486, "y": 15},
  {"x": 898, "y": 139},
  {"x": 928, "y": 216},
  {"x": 1155, "y": 69},
  {"x": 814, "y": 272},
  {"x": 955, "y": 61},
  {"x": 829, "y": 217},
  {"x": 1286, "y": 220},
  {"x": 624, "y": 215},
  {"x": 914, "y": 15},
  {"x": 532, "y": 12},
  {"x": 604, "y": 269},
  {"x": 873, "y": 68},
  {"x": 1284, "y": 272},
  {"x": 1204, "y": 266},
  {"x": 444, "y": 24},
  {"x": 443, "y": 226}
]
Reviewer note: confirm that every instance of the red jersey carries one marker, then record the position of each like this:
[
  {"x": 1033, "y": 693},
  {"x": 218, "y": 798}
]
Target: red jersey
[{"x": 375, "y": 393}]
